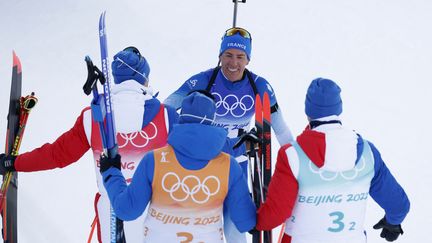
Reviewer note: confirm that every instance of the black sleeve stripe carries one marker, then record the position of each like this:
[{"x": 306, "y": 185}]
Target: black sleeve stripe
[{"x": 274, "y": 108}]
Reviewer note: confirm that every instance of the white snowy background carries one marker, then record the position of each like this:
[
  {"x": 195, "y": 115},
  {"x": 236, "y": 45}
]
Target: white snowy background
[{"x": 379, "y": 52}]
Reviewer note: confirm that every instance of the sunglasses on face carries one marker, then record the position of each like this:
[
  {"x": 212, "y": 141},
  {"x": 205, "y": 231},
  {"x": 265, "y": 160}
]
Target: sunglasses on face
[{"x": 236, "y": 30}]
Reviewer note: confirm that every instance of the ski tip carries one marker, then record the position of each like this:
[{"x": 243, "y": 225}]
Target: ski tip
[
  {"x": 102, "y": 16},
  {"x": 102, "y": 23},
  {"x": 258, "y": 98},
  {"x": 16, "y": 61},
  {"x": 266, "y": 99},
  {"x": 258, "y": 109},
  {"x": 266, "y": 96}
]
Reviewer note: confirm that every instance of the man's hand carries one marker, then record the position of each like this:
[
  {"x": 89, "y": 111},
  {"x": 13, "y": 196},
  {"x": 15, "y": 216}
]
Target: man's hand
[
  {"x": 250, "y": 138},
  {"x": 106, "y": 163},
  {"x": 389, "y": 231},
  {"x": 7, "y": 163}
]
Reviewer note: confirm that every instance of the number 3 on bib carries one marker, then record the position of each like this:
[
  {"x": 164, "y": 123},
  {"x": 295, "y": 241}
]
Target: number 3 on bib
[{"x": 339, "y": 225}]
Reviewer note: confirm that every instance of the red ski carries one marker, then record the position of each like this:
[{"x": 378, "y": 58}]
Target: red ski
[{"x": 262, "y": 163}]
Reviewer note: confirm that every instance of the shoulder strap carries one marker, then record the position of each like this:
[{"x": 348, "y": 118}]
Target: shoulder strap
[
  {"x": 212, "y": 78},
  {"x": 251, "y": 81},
  {"x": 275, "y": 107}
]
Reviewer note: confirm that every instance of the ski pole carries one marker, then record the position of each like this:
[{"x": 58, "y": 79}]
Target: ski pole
[
  {"x": 281, "y": 233},
  {"x": 93, "y": 226},
  {"x": 260, "y": 180},
  {"x": 255, "y": 181},
  {"x": 98, "y": 102},
  {"x": 235, "y": 11}
]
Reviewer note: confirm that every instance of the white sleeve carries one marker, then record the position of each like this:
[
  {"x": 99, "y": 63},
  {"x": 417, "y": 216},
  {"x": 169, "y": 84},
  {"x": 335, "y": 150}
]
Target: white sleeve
[
  {"x": 87, "y": 123},
  {"x": 280, "y": 128}
]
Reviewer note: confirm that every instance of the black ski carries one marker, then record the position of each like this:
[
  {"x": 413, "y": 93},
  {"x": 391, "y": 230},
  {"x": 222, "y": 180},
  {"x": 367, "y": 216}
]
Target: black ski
[
  {"x": 257, "y": 187},
  {"x": 19, "y": 110},
  {"x": 9, "y": 212},
  {"x": 266, "y": 154}
]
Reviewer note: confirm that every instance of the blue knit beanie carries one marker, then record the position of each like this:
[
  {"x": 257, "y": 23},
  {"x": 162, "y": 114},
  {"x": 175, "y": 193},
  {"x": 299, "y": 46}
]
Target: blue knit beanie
[
  {"x": 236, "y": 42},
  {"x": 129, "y": 64},
  {"x": 323, "y": 99},
  {"x": 198, "y": 108}
]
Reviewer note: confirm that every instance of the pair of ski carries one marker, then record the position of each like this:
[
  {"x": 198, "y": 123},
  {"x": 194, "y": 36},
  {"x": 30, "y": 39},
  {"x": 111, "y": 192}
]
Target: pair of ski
[
  {"x": 19, "y": 110},
  {"x": 260, "y": 160},
  {"x": 103, "y": 114}
]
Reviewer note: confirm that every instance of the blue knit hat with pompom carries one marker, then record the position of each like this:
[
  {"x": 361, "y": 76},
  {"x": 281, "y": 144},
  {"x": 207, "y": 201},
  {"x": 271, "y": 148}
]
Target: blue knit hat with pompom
[
  {"x": 323, "y": 99},
  {"x": 130, "y": 64}
]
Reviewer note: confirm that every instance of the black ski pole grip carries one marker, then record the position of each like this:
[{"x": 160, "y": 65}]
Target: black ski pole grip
[
  {"x": 93, "y": 74},
  {"x": 91, "y": 80}
]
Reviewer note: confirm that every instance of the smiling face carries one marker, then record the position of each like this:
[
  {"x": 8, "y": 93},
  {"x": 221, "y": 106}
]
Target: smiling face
[{"x": 233, "y": 62}]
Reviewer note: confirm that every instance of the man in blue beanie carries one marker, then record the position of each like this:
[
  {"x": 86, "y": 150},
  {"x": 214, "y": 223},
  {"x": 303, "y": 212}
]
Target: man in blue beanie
[
  {"x": 130, "y": 65},
  {"x": 322, "y": 181},
  {"x": 234, "y": 88},
  {"x": 185, "y": 184},
  {"x": 142, "y": 124}
]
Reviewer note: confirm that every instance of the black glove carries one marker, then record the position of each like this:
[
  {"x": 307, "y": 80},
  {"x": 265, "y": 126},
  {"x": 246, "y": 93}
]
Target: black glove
[
  {"x": 7, "y": 163},
  {"x": 251, "y": 138},
  {"x": 93, "y": 74},
  {"x": 106, "y": 163},
  {"x": 389, "y": 231}
]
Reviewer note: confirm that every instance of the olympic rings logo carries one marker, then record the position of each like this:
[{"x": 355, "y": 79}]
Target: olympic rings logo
[
  {"x": 137, "y": 139},
  {"x": 190, "y": 186},
  {"x": 238, "y": 107},
  {"x": 347, "y": 175}
]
